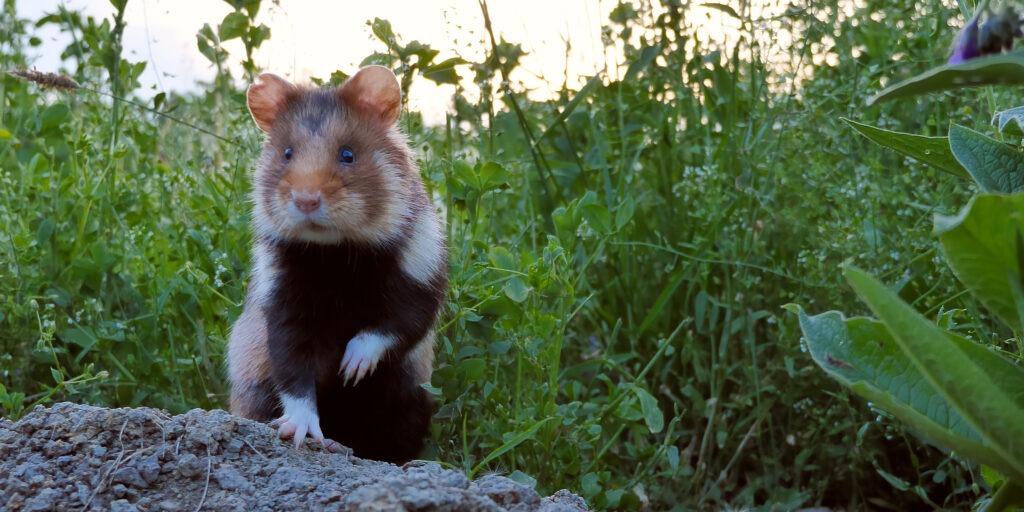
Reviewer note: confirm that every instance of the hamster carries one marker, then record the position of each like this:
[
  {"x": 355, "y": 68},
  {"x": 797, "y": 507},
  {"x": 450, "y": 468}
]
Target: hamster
[{"x": 349, "y": 272}]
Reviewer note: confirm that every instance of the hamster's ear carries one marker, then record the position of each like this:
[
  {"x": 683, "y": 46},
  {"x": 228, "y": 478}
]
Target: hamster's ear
[
  {"x": 266, "y": 98},
  {"x": 375, "y": 92}
]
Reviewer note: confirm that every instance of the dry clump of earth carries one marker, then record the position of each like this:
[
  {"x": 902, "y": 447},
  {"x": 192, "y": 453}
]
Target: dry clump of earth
[{"x": 78, "y": 457}]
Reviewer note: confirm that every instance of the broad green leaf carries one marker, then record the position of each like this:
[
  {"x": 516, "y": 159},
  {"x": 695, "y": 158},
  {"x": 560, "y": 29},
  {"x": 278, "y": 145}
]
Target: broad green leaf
[
  {"x": 444, "y": 72},
  {"x": 424, "y": 53},
  {"x": 862, "y": 354},
  {"x": 653, "y": 416},
  {"x": 933, "y": 151},
  {"x": 515, "y": 288},
  {"x": 258, "y": 34},
  {"x": 987, "y": 390},
  {"x": 597, "y": 216},
  {"x": 492, "y": 175},
  {"x": 726, "y": 8},
  {"x": 1005, "y": 69},
  {"x": 380, "y": 59},
  {"x": 465, "y": 175},
  {"x": 647, "y": 55},
  {"x": 980, "y": 246},
  {"x": 1010, "y": 121},
  {"x": 84, "y": 337},
  {"x": 45, "y": 231},
  {"x": 5, "y": 134},
  {"x": 500, "y": 257},
  {"x": 473, "y": 369},
  {"x": 382, "y": 29},
  {"x": 53, "y": 115},
  {"x": 997, "y": 167},
  {"x": 233, "y": 26}
]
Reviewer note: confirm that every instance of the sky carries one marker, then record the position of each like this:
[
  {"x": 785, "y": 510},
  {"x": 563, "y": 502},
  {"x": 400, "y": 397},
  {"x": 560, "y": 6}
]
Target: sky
[{"x": 315, "y": 38}]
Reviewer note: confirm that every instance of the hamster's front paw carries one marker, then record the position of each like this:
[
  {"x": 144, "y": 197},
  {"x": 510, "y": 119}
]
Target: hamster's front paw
[
  {"x": 362, "y": 355},
  {"x": 299, "y": 420}
]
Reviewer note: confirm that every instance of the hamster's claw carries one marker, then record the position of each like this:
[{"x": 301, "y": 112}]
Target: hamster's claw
[
  {"x": 361, "y": 357},
  {"x": 297, "y": 422}
]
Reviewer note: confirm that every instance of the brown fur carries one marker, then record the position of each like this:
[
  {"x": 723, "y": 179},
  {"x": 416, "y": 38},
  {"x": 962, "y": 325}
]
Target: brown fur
[{"x": 249, "y": 366}]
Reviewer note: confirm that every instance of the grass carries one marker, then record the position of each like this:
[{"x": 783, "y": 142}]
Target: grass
[{"x": 619, "y": 255}]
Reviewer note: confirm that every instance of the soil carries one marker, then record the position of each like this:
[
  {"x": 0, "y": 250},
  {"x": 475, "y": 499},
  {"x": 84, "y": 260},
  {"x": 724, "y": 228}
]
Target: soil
[{"x": 78, "y": 457}]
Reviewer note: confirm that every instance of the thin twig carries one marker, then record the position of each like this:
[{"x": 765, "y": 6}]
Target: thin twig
[
  {"x": 209, "y": 469},
  {"x": 67, "y": 84}
]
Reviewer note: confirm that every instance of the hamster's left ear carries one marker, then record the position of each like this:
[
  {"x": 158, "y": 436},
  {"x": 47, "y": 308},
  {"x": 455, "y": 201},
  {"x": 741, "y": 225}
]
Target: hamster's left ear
[{"x": 374, "y": 91}]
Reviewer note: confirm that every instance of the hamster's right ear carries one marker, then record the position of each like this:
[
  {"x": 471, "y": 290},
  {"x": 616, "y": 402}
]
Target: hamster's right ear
[{"x": 266, "y": 98}]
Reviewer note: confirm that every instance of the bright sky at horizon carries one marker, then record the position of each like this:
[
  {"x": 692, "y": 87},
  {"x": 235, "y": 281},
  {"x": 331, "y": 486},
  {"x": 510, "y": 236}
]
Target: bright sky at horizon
[{"x": 310, "y": 39}]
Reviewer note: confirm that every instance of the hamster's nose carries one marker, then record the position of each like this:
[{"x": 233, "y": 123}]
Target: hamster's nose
[{"x": 307, "y": 202}]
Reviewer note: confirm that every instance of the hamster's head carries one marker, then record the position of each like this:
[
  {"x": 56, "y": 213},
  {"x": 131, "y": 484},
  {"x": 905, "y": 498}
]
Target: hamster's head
[{"x": 334, "y": 166}]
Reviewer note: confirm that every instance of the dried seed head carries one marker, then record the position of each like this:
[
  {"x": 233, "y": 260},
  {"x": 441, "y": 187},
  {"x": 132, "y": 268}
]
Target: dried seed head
[{"x": 47, "y": 80}]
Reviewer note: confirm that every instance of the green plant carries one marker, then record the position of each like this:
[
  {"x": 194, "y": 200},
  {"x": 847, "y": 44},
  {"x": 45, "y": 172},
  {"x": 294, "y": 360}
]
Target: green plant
[
  {"x": 961, "y": 393},
  {"x": 619, "y": 250}
]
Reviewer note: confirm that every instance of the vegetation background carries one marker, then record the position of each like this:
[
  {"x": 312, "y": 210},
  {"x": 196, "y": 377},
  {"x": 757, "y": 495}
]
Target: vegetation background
[{"x": 619, "y": 254}]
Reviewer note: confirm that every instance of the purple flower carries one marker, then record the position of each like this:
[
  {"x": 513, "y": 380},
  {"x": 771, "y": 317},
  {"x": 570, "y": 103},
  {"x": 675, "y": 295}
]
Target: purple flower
[
  {"x": 966, "y": 44},
  {"x": 996, "y": 35}
]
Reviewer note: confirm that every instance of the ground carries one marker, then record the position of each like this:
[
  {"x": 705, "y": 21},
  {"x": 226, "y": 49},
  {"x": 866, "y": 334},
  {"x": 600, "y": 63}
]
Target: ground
[{"x": 78, "y": 457}]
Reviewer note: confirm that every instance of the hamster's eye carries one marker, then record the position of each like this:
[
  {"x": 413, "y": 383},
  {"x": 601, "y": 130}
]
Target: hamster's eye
[
  {"x": 346, "y": 156},
  {"x": 287, "y": 153}
]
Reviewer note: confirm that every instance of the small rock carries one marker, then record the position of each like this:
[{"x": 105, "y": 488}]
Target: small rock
[
  {"x": 149, "y": 468},
  {"x": 122, "y": 506},
  {"x": 507, "y": 492},
  {"x": 169, "y": 506},
  {"x": 46, "y": 500},
  {"x": 229, "y": 479},
  {"x": 563, "y": 501},
  {"x": 119, "y": 490},
  {"x": 130, "y": 477},
  {"x": 190, "y": 466},
  {"x": 57, "y": 448},
  {"x": 235, "y": 446}
]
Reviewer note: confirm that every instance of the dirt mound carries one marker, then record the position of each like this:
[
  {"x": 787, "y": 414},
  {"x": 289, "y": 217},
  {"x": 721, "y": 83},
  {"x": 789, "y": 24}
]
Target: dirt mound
[{"x": 75, "y": 457}]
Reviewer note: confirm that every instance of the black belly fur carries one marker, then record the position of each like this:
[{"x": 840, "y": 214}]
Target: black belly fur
[{"x": 325, "y": 295}]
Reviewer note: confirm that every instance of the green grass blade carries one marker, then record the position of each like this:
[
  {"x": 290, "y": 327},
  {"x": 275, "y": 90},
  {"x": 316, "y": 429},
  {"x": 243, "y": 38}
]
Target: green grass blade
[
  {"x": 933, "y": 151},
  {"x": 659, "y": 304},
  {"x": 587, "y": 89},
  {"x": 1006, "y": 69},
  {"x": 987, "y": 390},
  {"x": 1009, "y": 496},
  {"x": 510, "y": 444}
]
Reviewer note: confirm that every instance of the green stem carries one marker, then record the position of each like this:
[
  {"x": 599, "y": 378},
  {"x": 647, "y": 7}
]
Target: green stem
[{"x": 1009, "y": 496}]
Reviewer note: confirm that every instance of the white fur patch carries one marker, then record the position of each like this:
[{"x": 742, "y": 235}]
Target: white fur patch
[
  {"x": 362, "y": 354},
  {"x": 299, "y": 419},
  {"x": 423, "y": 256},
  {"x": 264, "y": 273}
]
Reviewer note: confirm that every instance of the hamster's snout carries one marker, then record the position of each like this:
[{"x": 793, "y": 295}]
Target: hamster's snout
[{"x": 307, "y": 202}]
